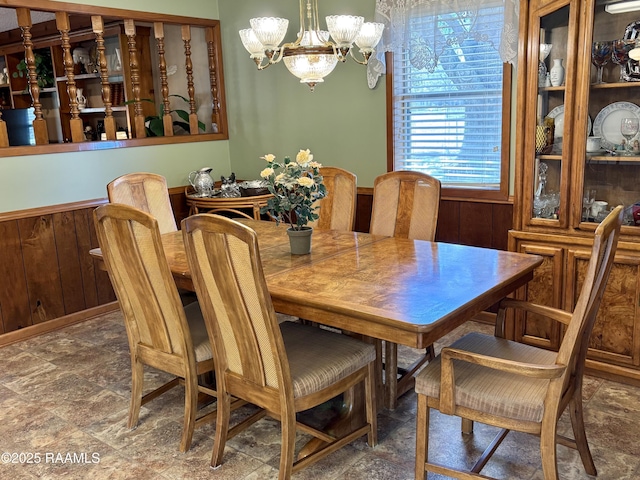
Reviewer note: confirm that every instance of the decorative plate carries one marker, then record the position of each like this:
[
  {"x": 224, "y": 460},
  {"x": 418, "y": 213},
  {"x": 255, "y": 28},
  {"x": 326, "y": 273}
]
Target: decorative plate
[
  {"x": 558, "y": 121},
  {"x": 607, "y": 122}
]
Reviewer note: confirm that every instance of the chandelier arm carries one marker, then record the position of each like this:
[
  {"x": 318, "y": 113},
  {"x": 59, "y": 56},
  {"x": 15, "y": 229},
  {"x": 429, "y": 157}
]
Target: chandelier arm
[
  {"x": 364, "y": 55},
  {"x": 278, "y": 54},
  {"x": 258, "y": 62}
]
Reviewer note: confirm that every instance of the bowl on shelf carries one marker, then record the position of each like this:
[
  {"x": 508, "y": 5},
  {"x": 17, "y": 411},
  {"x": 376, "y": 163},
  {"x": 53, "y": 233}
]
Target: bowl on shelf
[{"x": 253, "y": 188}]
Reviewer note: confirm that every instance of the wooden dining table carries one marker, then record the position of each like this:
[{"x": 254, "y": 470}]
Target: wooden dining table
[{"x": 410, "y": 292}]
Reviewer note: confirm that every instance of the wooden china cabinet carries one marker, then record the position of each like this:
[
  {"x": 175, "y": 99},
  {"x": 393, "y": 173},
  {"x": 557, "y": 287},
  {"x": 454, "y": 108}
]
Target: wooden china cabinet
[{"x": 559, "y": 184}]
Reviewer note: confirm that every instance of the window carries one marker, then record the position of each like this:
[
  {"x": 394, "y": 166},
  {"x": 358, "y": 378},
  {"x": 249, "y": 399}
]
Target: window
[{"x": 448, "y": 111}]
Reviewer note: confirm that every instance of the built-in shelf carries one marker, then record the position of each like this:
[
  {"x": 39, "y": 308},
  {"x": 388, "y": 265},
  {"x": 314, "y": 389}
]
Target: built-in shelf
[
  {"x": 121, "y": 108},
  {"x": 42, "y": 90},
  {"x": 114, "y": 77}
]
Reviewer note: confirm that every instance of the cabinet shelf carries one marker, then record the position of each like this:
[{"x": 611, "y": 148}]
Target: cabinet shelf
[
  {"x": 120, "y": 108},
  {"x": 613, "y": 158},
  {"x": 114, "y": 77},
  {"x": 604, "y": 86},
  {"x": 42, "y": 90},
  {"x": 560, "y": 88}
]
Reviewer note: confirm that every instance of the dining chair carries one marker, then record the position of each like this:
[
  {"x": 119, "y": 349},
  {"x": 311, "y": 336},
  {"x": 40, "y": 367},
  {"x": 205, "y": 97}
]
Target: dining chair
[
  {"x": 283, "y": 369},
  {"x": 161, "y": 332},
  {"x": 337, "y": 209},
  {"x": 405, "y": 205},
  {"x": 147, "y": 192},
  {"x": 519, "y": 387}
]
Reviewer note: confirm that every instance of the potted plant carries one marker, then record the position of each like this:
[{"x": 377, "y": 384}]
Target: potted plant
[
  {"x": 154, "y": 125},
  {"x": 296, "y": 186},
  {"x": 44, "y": 68}
]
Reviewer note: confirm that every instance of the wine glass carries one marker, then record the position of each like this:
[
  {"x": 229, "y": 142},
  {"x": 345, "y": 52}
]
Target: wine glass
[
  {"x": 629, "y": 127},
  {"x": 600, "y": 55},
  {"x": 620, "y": 54}
]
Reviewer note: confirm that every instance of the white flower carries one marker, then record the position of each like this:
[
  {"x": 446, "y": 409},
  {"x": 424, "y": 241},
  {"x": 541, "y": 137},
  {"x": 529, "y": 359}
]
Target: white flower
[
  {"x": 304, "y": 156},
  {"x": 269, "y": 157},
  {"x": 267, "y": 172},
  {"x": 305, "y": 181},
  {"x": 315, "y": 164}
]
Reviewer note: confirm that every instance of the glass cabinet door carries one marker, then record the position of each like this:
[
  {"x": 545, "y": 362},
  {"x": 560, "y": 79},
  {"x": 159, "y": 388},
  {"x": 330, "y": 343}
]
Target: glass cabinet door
[
  {"x": 550, "y": 94},
  {"x": 610, "y": 172}
]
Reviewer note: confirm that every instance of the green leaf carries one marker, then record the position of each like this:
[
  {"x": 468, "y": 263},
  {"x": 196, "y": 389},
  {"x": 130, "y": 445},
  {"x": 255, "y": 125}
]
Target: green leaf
[{"x": 156, "y": 127}]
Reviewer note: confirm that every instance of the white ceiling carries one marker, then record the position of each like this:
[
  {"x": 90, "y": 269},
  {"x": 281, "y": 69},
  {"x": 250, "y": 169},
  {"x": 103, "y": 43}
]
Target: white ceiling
[{"x": 8, "y": 20}]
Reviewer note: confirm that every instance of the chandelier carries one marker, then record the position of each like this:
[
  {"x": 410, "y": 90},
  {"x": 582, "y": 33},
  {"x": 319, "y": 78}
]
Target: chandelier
[{"x": 313, "y": 55}]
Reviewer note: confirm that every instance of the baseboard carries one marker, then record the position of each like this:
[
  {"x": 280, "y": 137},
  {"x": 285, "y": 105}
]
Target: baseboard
[{"x": 56, "y": 324}]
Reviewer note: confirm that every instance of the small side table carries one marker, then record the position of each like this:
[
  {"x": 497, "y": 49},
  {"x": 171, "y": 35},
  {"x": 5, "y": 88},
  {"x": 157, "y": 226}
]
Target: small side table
[{"x": 233, "y": 205}]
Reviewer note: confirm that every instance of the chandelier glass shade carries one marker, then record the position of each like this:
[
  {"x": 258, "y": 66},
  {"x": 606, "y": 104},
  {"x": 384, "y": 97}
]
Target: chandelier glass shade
[{"x": 315, "y": 52}]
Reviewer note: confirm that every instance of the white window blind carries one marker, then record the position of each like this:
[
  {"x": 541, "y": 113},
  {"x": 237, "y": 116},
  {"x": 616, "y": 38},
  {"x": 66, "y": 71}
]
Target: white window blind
[{"x": 447, "y": 122}]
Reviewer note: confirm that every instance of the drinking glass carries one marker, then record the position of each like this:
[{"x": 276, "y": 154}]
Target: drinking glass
[
  {"x": 620, "y": 54},
  {"x": 600, "y": 55},
  {"x": 629, "y": 127}
]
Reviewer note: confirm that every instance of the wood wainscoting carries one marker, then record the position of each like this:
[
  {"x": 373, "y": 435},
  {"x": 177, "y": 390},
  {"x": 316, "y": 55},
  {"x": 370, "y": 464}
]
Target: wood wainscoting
[{"x": 48, "y": 279}]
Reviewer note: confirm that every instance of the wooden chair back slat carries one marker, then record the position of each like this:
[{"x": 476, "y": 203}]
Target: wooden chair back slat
[
  {"x": 405, "y": 205},
  {"x": 337, "y": 209},
  {"x": 229, "y": 268},
  {"x": 132, "y": 249},
  {"x": 147, "y": 192}
]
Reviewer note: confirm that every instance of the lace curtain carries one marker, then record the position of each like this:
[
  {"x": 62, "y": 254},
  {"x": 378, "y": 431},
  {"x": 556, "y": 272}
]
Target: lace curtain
[{"x": 425, "y": 28}]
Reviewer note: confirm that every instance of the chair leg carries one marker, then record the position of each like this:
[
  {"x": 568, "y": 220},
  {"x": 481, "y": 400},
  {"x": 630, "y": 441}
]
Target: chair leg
[
  {"x": 287, "y": 448},
  {"x": 422, "y": 436},
  {"x": 577, "y": 424},
  {"x": 371, "y": 406},
  {"x": 137, "y": 378},
  {"x": 548, "y": 450},
  {"x": 190, "y": 410},
  {"x": 222, "y": 427}
]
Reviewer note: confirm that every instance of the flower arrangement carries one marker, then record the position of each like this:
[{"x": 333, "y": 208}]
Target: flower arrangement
[{"x": 295, "y": 187}]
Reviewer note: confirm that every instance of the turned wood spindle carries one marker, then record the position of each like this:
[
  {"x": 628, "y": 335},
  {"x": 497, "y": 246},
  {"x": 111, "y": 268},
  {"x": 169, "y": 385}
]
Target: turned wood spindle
[
  {"x": 130, "y": 32},
  {"x": 193, "y": 117},
  {"x": 167, "y": 121},
  {"x": 39, "y": 124},
  {"x": 64, "y": 27},
  {"x": 213, "y": 79},
  {"x": 4, "y": 136},
  {"x": 97, "y": 26}
]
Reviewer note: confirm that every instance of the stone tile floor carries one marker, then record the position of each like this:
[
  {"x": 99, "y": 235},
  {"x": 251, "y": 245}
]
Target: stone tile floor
[{"x": 67, "y": 393}]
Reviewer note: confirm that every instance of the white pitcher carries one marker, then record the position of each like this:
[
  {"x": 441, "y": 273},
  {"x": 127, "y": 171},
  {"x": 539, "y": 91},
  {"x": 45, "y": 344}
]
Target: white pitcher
[{"x": 81, "y": 99}]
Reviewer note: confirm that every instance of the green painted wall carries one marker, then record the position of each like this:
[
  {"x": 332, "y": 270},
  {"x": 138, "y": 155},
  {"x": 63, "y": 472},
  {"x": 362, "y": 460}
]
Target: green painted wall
[
  {"x": 342, "y": 122},
  {"x": 39, "y": 180}
]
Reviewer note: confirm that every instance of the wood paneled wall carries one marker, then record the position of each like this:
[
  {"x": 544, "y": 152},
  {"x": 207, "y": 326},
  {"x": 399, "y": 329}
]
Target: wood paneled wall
[
  {"x": 47, "y": 274},
  {"x": 45, "y": 268}
]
